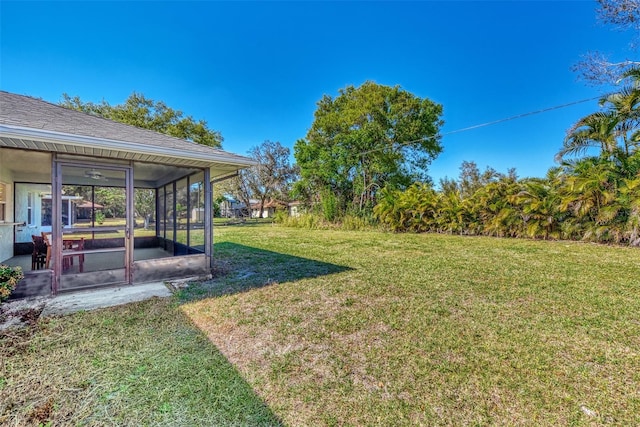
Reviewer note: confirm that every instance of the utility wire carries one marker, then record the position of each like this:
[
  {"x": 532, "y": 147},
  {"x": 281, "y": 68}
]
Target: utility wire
[
  {"x": 481, "y": 125},
  {"x": 531, "y": 113}
]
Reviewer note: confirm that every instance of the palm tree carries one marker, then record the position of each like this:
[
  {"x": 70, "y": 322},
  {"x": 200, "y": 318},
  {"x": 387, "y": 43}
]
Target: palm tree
[
  {"x": 492, "y": 204},
  {"x": 452, "y": 212},
  {"x": 589, "y": 191},
  {"x": 626, "y": 106},
  {"x": 597, "y": 130},
  {"x": 614, "y": 131},
  {"x": 388, "y": 210},
  {"x": 600, "y": 191},
  {"x": 630, "y": 197},
  {"x": 540, "y": 204},
  {"x": 421, "y": 203},
  {"x": 413, "y": 209}
]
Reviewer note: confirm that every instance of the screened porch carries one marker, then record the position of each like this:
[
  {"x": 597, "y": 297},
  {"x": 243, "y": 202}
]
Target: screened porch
[{"x": 109, "y": 234}]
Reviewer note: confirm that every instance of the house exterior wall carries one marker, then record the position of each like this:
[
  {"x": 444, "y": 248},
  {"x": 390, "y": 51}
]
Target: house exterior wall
[
  {"x": 294, "y": 209},
  {"x": 232, "y": 209},
  {"x": 6, "y": 228},
  {"x": 19, "y": 169},
  {"x": 266, "y": 213},
  {"x": 35, "y": 193}
]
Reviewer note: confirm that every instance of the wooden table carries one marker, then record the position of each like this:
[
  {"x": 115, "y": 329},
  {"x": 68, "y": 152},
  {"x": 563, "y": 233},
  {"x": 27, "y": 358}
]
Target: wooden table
[{"x": 72, "y": 248}]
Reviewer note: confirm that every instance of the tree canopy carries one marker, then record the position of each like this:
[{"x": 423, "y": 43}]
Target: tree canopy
[
  {"x": 594, "y": 195},
  {"x": 613, "y": 130},
  {"x": 270, "y": 178},
  {"x": 146, "y": 113},
  {"x": 365, "y": 139},
  {"x": 597, "y": 67}
]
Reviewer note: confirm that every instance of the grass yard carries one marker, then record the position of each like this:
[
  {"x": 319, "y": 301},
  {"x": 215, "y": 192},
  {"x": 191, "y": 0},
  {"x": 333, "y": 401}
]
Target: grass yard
[
  {"x": 365, "y": 328},
  {"x": 139, "y": 364},
  {"x": 328, "y": 327}
]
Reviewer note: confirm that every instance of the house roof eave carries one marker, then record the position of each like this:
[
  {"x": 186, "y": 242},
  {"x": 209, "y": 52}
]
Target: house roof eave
[{"x": 52, "y": 139}]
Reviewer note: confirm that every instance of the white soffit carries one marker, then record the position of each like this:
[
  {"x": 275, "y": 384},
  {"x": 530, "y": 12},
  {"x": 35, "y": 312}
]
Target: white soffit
[{"x": 51, "y": 141}]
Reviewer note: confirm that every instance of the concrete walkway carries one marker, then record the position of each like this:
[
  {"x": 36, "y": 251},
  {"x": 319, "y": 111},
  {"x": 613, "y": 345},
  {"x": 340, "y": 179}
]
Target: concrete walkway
[{"x": 100, "y": 298}]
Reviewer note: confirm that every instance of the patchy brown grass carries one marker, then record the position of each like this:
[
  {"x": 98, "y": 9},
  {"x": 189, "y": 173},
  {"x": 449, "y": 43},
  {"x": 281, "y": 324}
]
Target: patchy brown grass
[{"x": 428, "y": 329}]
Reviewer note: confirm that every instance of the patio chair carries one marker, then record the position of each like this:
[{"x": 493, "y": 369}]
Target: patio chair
[
  {"x": 46, "y": 237},
  {"x": 39, "y": 254},
  {"x": 70, "y": 246}
]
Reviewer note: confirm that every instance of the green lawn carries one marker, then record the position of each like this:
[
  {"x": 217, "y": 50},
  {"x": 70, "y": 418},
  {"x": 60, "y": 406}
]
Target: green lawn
[
  {"x": 355, "y": 328},
  {"x": 351, "y": 328},
  {"x": 134, "y": 365}
]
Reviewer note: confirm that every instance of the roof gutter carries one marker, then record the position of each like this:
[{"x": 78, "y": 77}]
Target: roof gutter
[{"x": 53, "y": 137}]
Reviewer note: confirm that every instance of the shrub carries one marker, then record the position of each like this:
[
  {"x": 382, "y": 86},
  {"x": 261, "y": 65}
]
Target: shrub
[
  {"x": 329, "y": 204},
  {"x": 9, "y": 278},
  {"x": 357, "y": 223},
  {"x": 308, "y": 221},
  {"x": 281, "y": 216},
  {"x": 100, "y": 218}
]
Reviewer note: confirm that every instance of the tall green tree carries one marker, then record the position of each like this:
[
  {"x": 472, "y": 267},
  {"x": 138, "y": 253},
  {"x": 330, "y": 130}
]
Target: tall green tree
[
  {"x": 113, "y": 200},
  {"x": 364, "y": 139},
  {"x": 146, "y": 113},
  {"x": 471, "y": 179}
]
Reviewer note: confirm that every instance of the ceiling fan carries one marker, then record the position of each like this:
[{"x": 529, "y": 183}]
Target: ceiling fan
[{"x": 95, "y": 174}]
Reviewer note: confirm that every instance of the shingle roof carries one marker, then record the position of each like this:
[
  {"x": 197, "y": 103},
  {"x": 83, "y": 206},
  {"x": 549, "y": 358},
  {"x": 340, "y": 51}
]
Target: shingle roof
[
  {"x": 271, "y": 203},
  {"x": 27, "y": 112}
]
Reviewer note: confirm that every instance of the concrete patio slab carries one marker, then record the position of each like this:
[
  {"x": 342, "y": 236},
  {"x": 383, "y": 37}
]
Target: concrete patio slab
[{"x": 100, "y": 298}]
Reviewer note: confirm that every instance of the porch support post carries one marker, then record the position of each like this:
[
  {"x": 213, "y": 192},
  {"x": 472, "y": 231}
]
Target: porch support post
[
  {"x": 208, "y": 217},
  {"x": 129, "y": 238},
  {"x": 56, "y": 223}
]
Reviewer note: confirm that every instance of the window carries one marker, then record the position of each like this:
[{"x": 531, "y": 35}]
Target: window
[
  {"x": 46, "y": 211},
  {"x": 3, "y": 201},
  {"x": 30, "y": 219}
]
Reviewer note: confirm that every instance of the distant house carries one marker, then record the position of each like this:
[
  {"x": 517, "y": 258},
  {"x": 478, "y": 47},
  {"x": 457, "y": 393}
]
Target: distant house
[
  {"x": 231, "y": 208},
  {"x": 53, "y": 162},
  {"x": 268, "y": 209},
  {"x": 295, "y": 208},
  {"x": 87, "y": 209}
]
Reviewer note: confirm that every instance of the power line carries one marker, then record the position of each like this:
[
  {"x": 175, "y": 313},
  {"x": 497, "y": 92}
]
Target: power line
[
  {"x": 531, "y": 113},
  {"x": 481, "y": 125}
]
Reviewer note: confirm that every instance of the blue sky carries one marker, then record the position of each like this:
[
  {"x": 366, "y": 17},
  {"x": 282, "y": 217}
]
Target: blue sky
[{"x": 255, "y": 70}]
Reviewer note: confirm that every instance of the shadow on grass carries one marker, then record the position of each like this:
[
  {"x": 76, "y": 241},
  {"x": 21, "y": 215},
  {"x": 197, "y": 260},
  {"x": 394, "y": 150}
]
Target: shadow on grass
[
  {"x": 143, "y": 363},
  {"x": 239, "y": 268}
]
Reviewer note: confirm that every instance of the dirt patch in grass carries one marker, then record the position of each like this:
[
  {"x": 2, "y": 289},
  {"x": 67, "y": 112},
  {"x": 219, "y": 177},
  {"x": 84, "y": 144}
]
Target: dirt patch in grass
[
  {"x": 42, "y": 413},
  {"x": 21, "y": 313}
]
